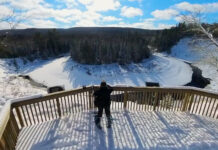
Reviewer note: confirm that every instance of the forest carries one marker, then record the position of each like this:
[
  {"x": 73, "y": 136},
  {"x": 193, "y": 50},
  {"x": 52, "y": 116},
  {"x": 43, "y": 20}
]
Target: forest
[{"x": 90, "y": 45}]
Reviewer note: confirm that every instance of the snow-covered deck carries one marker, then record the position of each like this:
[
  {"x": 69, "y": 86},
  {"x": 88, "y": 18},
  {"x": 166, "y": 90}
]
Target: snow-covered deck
[{"x": 130, "y": 130}]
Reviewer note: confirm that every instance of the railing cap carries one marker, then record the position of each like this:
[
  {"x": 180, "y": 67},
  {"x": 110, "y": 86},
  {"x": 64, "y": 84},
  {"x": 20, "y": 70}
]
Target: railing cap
[
  {"x": 4, "y": 116},
  {"x": 26, "y": 98}
]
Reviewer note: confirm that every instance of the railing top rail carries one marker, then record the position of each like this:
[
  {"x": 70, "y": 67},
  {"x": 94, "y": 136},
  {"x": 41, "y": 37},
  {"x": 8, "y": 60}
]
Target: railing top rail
[
  {"x": 49, "y": 96},
  {"x": 121, "y": 88},
  {"x": 4, "y": 117}
]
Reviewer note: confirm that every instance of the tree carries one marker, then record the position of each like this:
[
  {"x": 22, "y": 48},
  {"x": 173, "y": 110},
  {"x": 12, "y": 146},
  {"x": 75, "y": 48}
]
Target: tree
[
  {"x": 195, "y": 21},
  {"x": 12, "y": 17},
  {"x": 9, "y": 83}
]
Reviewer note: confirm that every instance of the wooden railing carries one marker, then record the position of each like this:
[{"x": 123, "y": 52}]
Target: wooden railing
[{"x": 29, "y": 112}]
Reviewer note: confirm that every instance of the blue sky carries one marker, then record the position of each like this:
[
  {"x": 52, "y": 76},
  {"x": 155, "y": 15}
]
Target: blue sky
[{"x": 148, "y": 14}]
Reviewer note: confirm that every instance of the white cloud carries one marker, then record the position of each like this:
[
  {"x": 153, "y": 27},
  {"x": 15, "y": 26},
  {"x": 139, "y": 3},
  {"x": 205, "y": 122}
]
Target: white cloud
[
  {"x": 131, "y": 12},
  {"x": 185, "y": 6},
  {"x": 164, "y": 26},
  {"x": 175, "y": 10},
  {"x": 142, "y": 25},
  {"x": 111, "y": 18},
  {"x": 5, "y": 11},
  {"x": 69, "y": 3},
  {"x": 88, "y": 18},
  {"x": 101, "y": 5},
  {"x": 145, "y": 24},
  {"x": 43, "y": 23},
  {"x": 86, "y": 2},
  {"x": 166, "y": 14},
  {"x": 24, "y": 26},
  {"x": 4, "y": 25},
  {"x": 27, "y": 4},
  {"x": 86, "y": 23},
  {"x": 207, "y": 8}
]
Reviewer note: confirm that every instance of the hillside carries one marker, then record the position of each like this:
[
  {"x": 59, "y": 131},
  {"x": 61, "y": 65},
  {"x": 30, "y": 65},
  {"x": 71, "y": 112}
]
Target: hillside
[{"x": 97, "y": 45}]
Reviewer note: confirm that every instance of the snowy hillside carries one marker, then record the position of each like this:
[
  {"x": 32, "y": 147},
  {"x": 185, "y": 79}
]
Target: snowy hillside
[
  {"x": 12, "y": 86},
  {"x": 201, "y": 53},
  {"x": 63, "y": 71}
]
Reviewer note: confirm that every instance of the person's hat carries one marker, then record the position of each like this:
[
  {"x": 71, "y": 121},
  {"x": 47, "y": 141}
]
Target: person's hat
[{"x": 103, "y": 83}]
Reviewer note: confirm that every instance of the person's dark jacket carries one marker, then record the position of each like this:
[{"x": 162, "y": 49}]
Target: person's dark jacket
[{"x": 102, "y": 96}]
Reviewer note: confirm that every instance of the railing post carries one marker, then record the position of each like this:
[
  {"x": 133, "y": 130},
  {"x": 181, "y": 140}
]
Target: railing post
[
  {"x": 19, "y": 117},
  {"x": 155, "y": 101},
  {"x": 90, "y": 99},
  {"x": 59, "y": 107},
  {"x": 125, "y": 99},
  {"x": 185, "y": 101},
  {"x": 191, "y": 101},
  {"x": 2, "y": 144}
]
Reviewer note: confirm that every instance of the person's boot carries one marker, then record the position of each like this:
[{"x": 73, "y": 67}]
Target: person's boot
[
  {"x": 109, "y": 122},
  {"x": 97, "y": 122}
]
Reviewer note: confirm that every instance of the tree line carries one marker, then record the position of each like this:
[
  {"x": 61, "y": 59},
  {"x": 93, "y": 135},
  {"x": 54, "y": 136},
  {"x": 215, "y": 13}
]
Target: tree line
[{"x": 92, "y": 45}]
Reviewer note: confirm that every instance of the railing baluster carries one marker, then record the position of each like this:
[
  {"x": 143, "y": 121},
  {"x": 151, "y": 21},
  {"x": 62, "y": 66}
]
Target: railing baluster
[
  {"x": 33, "y": 118},
  {"x": 194, "y": 103},
  {"x": 29, "y": 119},
  {"x": 180, "y": 100},
  {"x": 40, "y": 112},
  {"x": 202, "y": 101},
  {"x": 74, "y": 103},
  {"x": 212, "y": 107},
  {"x": 70, "y": 103},
  {"x": 206, "y": 104},
  {"x": 77, "y": 102},
  {"x": 87, "y": 100},
  {"x": 19, "y": 116},
  {"x": 209, "y": 106},
  {"x": 176, "y": 100},
  {"x": 67, "y": 105},
  {"x": 72, "y": 99},
  {"x": 36, "y": 112},
  {"x": 43, "y": 108},
  {"x": 199, "y": 100},
  {"x": 47, "y": 108},
  {"x": 143, "y": 100},
  {"x": 51, "y": 109},
  {"x": 215, "y": 111}
]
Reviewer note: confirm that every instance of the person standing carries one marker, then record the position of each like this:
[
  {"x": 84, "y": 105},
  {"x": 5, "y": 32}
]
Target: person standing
[{"x": 102, "y": 102}]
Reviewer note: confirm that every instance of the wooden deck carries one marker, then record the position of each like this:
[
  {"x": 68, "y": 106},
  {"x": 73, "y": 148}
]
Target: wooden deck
[
  {"x": 27, "y": 118},
  {"x": 136, "y": 130}
]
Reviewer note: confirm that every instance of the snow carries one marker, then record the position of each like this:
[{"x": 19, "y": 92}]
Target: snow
[
  {"x": 166, "y": 70},
  {"x": 130, "y": 130},
  {"x": 12, "y": 86},
  {"x": 185, "y": 50},
  {"x": 158, "y": 68},
  {"x": 200, "y": 53}
]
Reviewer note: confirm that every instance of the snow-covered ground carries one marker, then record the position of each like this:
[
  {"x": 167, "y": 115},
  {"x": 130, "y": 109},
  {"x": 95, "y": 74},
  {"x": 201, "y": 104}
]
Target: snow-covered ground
[
  {"x": 12, "y": 86},
  {"x": 63, "y": 71},
  {"x": 130, "y": 130},
  {"x": 158, "y": 68},
  {"x": 201, "y": 53}
]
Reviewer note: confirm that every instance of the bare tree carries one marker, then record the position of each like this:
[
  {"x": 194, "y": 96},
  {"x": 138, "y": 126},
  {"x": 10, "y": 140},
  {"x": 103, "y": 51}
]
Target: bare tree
[
  {"x": 195, "y": 20},
  {"x": 204, "y": 41}
]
